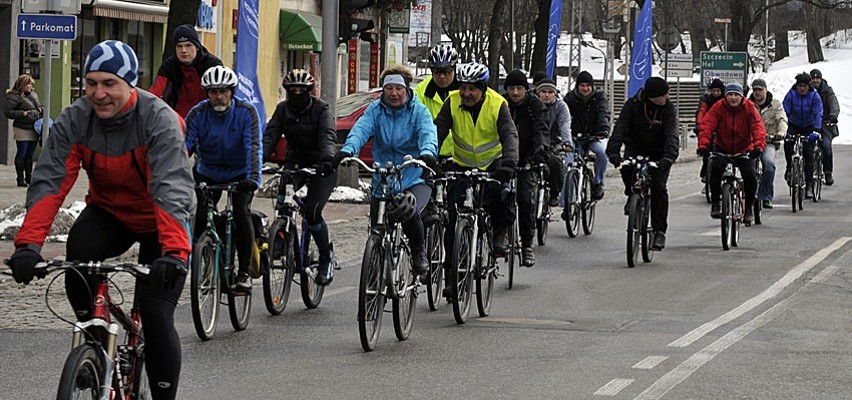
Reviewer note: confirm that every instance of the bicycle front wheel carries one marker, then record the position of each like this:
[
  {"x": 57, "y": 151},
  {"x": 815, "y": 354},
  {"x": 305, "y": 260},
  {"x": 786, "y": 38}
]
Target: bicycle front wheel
[
  {"x": 460, "y": 272},
  {"x": 371, "y": 299},
  {"x": 634, "y": 229},
  {"x": 278, "y": 278},
  {"x": 514, "y": 250},
  {"x": 435, "y": 249},
  {"x": 571, "y": 212},
  {"x": 82, "y": 374},
  {"x": 738, "y": 214},
  {"x": 588, "y": 205},
  {"x": 727, "y": 216},
  {"x": 239, "y": 303},
  {"x": 486, "y": 270},
  {"x": 818, "y": 176},
  {"x": 647, "y": 233},
  {"x": 311, "y": 291},
  {"x": 404, "y": 303},
  {"x": 205, "y": 289},
  {"x": 543, "y": 218}
]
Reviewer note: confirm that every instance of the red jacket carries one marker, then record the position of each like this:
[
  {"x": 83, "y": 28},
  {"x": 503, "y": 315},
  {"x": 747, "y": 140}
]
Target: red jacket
[{"x": 738, "y": 129}]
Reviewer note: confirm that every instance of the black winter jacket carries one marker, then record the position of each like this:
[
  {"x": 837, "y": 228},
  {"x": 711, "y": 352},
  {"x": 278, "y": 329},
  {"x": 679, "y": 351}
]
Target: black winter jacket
[
  {"x": 590, "y": 116},
  {"x": 311, "y": 136},
  {"x": 533, "y": 132},
  {"x": 646, "y": 129},
  {"x": 17, "y": 103}
]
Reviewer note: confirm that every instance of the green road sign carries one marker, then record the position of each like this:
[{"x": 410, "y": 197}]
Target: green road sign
[{"x": 727, "y": 66}]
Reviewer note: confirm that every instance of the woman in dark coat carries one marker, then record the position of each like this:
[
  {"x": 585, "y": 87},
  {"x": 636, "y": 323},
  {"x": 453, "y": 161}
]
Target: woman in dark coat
[{"x": 23, "y": 108}]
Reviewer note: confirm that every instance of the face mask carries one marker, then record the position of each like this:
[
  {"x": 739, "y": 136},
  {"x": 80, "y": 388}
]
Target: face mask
[{"x": 298, "y": 101}]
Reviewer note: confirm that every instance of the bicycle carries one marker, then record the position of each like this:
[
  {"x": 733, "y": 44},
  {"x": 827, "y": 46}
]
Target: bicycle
[
  {"x": 472, "y": 257},
  {"x": 513, "y": 253},
  {"x": 758, "y": 206},
  {"x": 579, "y": 204},
  {"x": 97, "y": 366},
  {"x": 733, "y": 199},
  {"x": 435, "y": 242},
  {"x": 213, "y": 269},
  {"x": 386, "y": 269},
  {"x": 819, "y": 174},
  {"x": 797, "y": 172},
  {"x": 639, "y": 232},
  {"x": 290, "y": 252}
]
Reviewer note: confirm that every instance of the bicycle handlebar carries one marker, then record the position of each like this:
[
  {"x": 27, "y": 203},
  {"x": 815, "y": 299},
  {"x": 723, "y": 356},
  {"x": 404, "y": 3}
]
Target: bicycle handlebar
[
  {"x": 230, "y": 187},
  {"x": 631, "y": 161},
  {"x": 304, "y": 171},
  {"x": 729, "y": 156},
  {"x": 389, "y": 168},
  {"x": 44, "y": 268}
]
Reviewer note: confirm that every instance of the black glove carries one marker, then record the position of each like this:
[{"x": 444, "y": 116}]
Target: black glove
[
  {"x": 339, "y": 157},
  {"x": 615, "y": 160},
  {"x": 165, "y": 271},
  {"x": 23, "y": 264},
  {"x": 324, "y": 167},
  {"x": 832, "y": 121},
  {"x": 504, "y": 173},
  {"x": 430, "y": 162},
  {"x": 703, "y": 151},
  {"x": 246, "y": 185},
  {"x": 754, "y": 154},
  {"x": 664, "y": 163},
  {"x": 540, "y": 157},
  {"x": 288, "y": 165}
]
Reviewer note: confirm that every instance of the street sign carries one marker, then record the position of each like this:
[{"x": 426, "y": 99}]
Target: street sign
[
  {"x": 58, "y": 6},
  {"x": 722, "y": 20},
  {"x": 668, "y": 38},
  {"x": 47, "y": 26},
  {"x": 679, "y": 73},
  {"x": 727, "y": 66},
  {"x": 677, "y": 65}
]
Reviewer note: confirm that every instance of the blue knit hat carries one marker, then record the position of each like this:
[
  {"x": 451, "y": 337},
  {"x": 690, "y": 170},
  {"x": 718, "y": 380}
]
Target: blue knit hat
[
  {"x": 734, "y": 87},
  {"x": 115, "y": 57}
]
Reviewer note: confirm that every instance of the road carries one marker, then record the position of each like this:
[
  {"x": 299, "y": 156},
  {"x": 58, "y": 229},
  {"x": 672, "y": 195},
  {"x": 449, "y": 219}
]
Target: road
[{"x": 767, "y": 320}]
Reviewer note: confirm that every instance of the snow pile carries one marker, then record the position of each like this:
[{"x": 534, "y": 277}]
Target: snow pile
[
  {"x": 343, "y": 194},
  {"x": 12, "y": 217}
]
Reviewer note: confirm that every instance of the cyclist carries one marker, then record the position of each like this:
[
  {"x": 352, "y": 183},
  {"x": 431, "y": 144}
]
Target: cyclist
[
  {"x": 485, "y": 138},
  {"x": 739, "y": 129},
  {"x": 433, "y": 90},
  {"x": 804, "y": 116},
  {"x": 399, "y": 126},
  {"x": 708, "y": 99},
  {"x": 306, "y": 122},
  {"x": 775, "y": 123},
  {"x": 830, "y": 111},
  {"x": 179, "y": 77},
  {"x": 590, "y": 116},
  {"x": 130, "y": 144},
  {"x": 224, "y": 133},
  {"x": 647, "y": 126},
  {"x": 533, "y": 140},
  {"x": 558, "y": 118}
]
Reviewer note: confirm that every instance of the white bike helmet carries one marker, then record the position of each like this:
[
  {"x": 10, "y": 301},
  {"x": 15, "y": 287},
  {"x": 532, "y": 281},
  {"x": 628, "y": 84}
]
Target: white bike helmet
[
  {"x": 299, "y": 77},
  {"x": 219, "y": 77},
  {"x": 472, "y": 72},
  {"x": 443, "y": 55}
]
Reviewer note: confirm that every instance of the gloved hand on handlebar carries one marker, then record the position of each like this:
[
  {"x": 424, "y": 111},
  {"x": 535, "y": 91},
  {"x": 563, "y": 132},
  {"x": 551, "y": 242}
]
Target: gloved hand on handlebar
[
  {"x": 754, "y": 154},
  {"x": 504, "y": 173},
  {"x": 247, "y": 185},
  {"x": 703, "y": 151},
  {"x": 813, "y": 137},
  {"x": 430, "y": 162},
  {"x": 339, "y": 157},
  {"x": 615, "y": 160},
  {"x": 166, "y": 272},
  {"x": 324, "y": 168},
  {"x": 23, "y": 264}
]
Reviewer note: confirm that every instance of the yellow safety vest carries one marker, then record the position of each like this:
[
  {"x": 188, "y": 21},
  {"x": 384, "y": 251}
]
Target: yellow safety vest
[
  {"x": 434, "y": 104},
  {"x": 476, "y": 145}
]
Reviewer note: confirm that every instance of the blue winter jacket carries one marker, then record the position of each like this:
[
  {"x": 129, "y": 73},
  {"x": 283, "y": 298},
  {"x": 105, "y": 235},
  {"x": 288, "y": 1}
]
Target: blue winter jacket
[
  {"x": 803, "y": 111},
  {"x": 408, "y": 130},
  {"x": 228, "y": 144}
]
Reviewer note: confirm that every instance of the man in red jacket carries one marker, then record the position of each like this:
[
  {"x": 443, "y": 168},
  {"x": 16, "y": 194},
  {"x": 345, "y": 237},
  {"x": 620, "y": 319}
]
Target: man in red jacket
[{"x": 739, "y": 129}]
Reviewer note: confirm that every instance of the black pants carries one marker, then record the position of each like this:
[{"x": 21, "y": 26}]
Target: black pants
[
  {"x": 746, "y": 167},
  {"x": 659, "y": 195},
  {"x": 526, "y": 210},
  {"x": 556, "y": 176},
  {"x": 98, "y": 235},
  {"x": 499, "y": 203},
  {"x": 243, "y": 234},
  {"x": 807, "y": 151},
  {"x": 413, "y": 227}
]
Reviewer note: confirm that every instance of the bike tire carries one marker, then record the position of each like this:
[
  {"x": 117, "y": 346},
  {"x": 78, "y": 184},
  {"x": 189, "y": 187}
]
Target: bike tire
[
  {"x": 543, "y": 219},
  {"x": 588, "y": 206},
  {"x": 460, "y": 274},
  {"x": 435, "y": 249},
  {"x": 312, "y": 292},
  {"x": 571, "y": 212},
  {"x": 278, "y": 278},
  {"x": 205, "y": 287},
  {"x": 727, "y": 216},
  {"x": 239, "y": 303},
  {"x": 634, "y": 230},
  {"x": 647, "y": 233},
  {"x": 486, "y": 271},
  {"x": 737, "y": 217},
  {"x": 818, "y": 176},
  {"x": 513, "y": 256},
  {"x": 707, "y": 191},
  {"x": 138, "y": 386},
  {"x": 404, "y": 304},
  {"x": 371, "y": 299},
  {"x": 82, "y": 374}
]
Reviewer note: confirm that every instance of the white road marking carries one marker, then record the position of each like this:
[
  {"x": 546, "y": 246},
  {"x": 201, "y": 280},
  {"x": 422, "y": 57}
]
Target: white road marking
[
  {"x": 686, "y": 196},
  {"x": 650, "y": 362},
  {"x": 613, "y": 387},
  {"x": 767, "y": 294},
  {"x": 714, "y": 232},
  {"x": 336, "y": 291},
  {"x": 705, "y": 355},
  {"x": 525, "y": 321}
]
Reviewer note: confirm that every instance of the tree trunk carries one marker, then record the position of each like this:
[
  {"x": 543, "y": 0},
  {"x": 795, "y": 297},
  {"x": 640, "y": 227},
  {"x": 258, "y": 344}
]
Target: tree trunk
[
  {"x": 814, "y": 47},
  {"x": 782, "y": 45},
  {"x": 180, "y": 12},
  {"x": 542, "y": 23},
  {"x": 495, "y": 35},
  {"x": 739, "y": 31}
]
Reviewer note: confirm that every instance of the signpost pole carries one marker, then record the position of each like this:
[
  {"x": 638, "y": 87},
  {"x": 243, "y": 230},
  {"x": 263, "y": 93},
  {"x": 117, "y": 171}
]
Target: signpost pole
[{"x": 48, "y": 57}]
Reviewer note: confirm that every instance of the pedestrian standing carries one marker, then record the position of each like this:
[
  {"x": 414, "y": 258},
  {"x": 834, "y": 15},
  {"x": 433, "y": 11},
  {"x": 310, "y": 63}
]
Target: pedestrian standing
[{"x": 23, "y": 108}]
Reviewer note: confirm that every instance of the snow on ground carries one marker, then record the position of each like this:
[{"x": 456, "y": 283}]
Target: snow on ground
[{"x": 12, "y": 217}]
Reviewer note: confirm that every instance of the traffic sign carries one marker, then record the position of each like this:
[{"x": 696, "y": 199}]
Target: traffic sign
[
  {"x": 47, "y": 26},
  {"x": 668, "y": 38},
  {"x": 727, "y": 66},
  {"x": 678, "y": 65}
]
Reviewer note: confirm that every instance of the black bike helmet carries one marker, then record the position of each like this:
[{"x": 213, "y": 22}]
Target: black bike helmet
[{"x": 402, "y": 207}]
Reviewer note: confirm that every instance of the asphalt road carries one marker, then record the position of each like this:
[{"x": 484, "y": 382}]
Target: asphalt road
[{"x": 767, "y": 320}]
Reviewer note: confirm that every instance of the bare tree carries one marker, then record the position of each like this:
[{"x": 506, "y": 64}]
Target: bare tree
[
  {"x": 495, "y": 34},
  {"x": 180, "y": 12},
  {"x": 466, "y": 26},
  {"x": 542, "y": 25}
]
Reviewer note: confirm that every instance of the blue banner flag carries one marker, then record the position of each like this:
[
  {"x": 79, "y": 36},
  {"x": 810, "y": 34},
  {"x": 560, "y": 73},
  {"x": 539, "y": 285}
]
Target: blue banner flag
[
  {"x": 553, "y": 34},
  {"x": 641, "y": 57},
  {"x": 246, "y": 58}
]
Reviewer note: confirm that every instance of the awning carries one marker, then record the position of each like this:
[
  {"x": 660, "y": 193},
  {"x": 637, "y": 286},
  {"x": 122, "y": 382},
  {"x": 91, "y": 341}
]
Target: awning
[
  {"x": 131, "y": 11},
  {"x": 300, "y": 30}
]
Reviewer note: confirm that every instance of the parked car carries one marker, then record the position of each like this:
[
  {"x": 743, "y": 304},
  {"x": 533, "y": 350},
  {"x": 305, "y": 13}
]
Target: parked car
[{"x": 349, "y": 109}]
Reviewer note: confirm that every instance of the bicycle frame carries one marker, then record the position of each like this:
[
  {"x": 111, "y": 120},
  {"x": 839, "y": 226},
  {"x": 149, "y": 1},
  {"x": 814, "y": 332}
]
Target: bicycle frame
[
  {"x": 221, "y": 262},
  {"x": 289, "y": 205}
]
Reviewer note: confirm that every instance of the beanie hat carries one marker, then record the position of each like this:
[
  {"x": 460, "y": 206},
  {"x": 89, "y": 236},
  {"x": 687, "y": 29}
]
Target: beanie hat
[
  {"x": 546, "y": 83},
  {"x": 114, "y": 57},
  {"x": 717, "y": 84},
  {"x": 803, "y": 79},
  {"x": 656, "y": 87},
  {"x": 186, "y": 33},
  {"x": 538, "y": 76},
  {"x": 585, "y": 77},
  {"x": 815, "y": 73},
  {"x": 734, "y": 87},
  {"x": 758, "y": 83},
  {"x": 516, "y": 78}
]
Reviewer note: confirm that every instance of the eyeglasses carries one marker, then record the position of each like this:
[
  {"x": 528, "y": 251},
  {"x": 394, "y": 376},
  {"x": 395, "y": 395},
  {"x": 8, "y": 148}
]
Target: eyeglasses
[{"x": 442, "y": 71}]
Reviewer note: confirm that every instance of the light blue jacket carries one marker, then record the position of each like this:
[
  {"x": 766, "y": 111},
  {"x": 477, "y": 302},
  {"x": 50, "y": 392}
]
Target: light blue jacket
[{"x": 408, "y": 130}]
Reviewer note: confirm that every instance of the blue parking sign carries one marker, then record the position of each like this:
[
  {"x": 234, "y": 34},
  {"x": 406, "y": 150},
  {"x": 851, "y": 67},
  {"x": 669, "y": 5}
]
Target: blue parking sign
[{"x": 47, "y": 26}]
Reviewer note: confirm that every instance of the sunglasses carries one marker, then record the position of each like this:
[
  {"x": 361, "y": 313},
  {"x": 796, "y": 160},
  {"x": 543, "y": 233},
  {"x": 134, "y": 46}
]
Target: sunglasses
[{"x": 442, "y": 71}]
